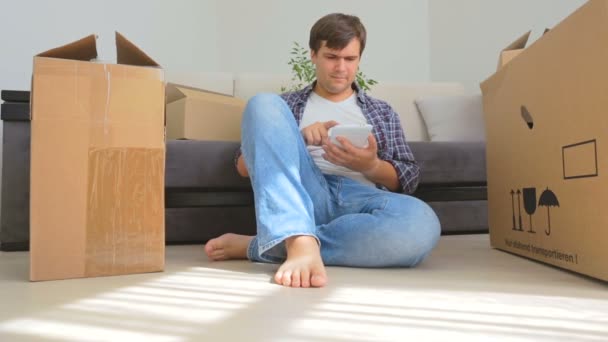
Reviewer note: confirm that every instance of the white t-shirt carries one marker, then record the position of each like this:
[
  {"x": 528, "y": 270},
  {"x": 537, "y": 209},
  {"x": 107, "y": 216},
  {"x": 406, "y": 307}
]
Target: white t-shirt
[{"x": 319, "y": 109}]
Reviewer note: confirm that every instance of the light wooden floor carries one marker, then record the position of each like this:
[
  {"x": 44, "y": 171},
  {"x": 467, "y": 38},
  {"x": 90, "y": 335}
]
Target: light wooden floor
[{"x": 464, "y": 290}]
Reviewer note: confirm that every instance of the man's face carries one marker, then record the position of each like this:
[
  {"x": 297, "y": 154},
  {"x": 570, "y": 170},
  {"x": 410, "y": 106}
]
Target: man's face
[{"x": 337, "y": 69}]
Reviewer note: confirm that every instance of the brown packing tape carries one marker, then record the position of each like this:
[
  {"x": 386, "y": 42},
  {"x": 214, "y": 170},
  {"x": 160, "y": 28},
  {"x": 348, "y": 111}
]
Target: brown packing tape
[
  {"x": 125, "y": 211},
  {"x": 122, "y": 112}
]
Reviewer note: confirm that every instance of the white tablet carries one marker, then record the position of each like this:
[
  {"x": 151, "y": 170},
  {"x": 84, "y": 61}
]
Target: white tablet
[{"x": 356, "y": 134}]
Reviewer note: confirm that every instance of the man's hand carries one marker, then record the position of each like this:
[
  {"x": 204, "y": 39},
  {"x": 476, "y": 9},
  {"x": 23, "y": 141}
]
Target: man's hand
[
  {"x": 363, "y": 160},
  {"x": 241, "y": 168},
  {"x": 316, "y": 133}
]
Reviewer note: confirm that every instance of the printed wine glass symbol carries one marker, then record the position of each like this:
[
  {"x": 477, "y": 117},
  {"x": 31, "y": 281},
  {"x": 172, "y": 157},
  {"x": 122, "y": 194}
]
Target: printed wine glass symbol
[
  {"x": 548, "y": 199},
  {"x": 530, "y": 204}
]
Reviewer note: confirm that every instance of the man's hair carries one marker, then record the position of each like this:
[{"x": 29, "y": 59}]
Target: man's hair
[{"x": 337, "y": 30}]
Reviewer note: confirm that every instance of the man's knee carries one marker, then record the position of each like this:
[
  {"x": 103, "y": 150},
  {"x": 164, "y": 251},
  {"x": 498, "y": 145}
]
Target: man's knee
[
  {"x": 267, "y": 118},
  {"x": 417, "y": 232},
  {"x": 429, "y": 232},
  {"x": 264, "y": 106}
]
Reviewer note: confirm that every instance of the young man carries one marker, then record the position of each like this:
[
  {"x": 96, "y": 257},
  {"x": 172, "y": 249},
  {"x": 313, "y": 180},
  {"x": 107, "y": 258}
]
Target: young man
[{"x": 319, "y": 204}]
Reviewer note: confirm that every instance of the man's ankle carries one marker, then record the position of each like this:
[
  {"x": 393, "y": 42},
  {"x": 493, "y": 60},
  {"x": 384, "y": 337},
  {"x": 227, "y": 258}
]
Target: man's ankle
[{"x": 300, "y": 239}]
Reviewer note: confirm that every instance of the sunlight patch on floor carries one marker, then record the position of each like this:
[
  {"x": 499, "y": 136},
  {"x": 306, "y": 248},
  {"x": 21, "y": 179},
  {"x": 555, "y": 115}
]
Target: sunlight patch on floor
[
  {"x": 170, "y": 307},
  {"x": 354, "y": 313}
]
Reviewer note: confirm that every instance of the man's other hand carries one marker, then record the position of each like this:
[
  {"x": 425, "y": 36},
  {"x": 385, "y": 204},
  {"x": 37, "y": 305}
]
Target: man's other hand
[
  {"x": 316, "y": 134},
  {"x": 357, "y": 159}
]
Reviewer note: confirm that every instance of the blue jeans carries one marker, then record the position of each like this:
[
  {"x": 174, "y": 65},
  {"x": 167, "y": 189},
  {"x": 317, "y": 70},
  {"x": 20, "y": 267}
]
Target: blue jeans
[{"x": 355, "y": 224}]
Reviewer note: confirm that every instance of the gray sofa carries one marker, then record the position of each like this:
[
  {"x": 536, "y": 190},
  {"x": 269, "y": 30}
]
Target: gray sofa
[{"x": 205, "y": 197}]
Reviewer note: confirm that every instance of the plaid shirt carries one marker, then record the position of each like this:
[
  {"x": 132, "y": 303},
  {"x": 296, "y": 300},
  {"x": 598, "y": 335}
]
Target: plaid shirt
[{"x": 387, "y": 130}]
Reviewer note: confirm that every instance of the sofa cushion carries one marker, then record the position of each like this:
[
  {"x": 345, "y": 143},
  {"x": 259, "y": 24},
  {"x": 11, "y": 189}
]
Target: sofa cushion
[
  {"x": 193, "y": 164},
  {"x": 453, "y": 118},
  {"x": 450, "y": 163},
  {"x": 401, "y": 97}
]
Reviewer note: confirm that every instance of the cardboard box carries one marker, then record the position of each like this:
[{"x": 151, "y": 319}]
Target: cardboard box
[
  {"x": 97, "y": 163},
  {"x": 512, "y": 50},
  {"x": 202, "y": 115},
  {"x": 546, "y": 128}
]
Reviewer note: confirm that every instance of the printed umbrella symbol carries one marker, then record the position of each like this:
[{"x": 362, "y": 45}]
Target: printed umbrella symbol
[{"x": 548, "y": 199}]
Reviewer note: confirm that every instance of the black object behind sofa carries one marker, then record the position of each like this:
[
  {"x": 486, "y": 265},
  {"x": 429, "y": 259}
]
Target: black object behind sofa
[{"x": 15, "y": 212}]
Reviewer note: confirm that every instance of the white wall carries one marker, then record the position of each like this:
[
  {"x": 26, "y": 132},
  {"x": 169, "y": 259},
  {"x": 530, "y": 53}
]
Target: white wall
[
  {"x": 409, "y": 40},
  {"x": 258, "y": 36},
  {"x": 177, "y": 34},
  {"x": 212, "y": 35},
  {"x": 466, "y": 36}
]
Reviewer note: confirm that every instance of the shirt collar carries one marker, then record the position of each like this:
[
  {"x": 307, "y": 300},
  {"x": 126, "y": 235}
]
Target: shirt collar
[{"x": 308, "y": 90}]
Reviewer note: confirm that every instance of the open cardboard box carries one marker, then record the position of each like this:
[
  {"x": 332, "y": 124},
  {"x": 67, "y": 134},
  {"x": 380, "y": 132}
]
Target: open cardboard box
[
  {"x": 202, "y": 115},
  {"x": 547, "y": 131},
  {"x": 97, "y": 163}
]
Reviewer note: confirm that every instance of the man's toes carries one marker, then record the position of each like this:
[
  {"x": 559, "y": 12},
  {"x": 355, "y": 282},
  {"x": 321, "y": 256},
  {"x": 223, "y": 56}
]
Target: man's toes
[
  {"x": 208, "y": 248},
  {"x": 318, "y": 280},
  {"x": 305, "y": 278},
  {"x": 295, "y": 279},
  {"x": 286, "y": 280},
  {"x": 218, "y": 255}
]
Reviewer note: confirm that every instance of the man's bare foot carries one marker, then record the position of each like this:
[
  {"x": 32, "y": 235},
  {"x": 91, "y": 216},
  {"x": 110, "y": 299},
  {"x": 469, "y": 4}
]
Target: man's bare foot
[
  {"x": 304, "y": 266},
  {"x": 228, "y": 246}
]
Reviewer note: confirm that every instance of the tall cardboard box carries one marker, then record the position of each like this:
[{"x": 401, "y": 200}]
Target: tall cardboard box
[
  {"x": 547, "y": 137},
  {"x": 97, "y": 163},
  {"x": 198, "y": 114}
]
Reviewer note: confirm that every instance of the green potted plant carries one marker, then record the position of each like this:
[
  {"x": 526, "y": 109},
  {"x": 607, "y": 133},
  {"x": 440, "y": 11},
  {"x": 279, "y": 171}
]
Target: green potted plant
[{"x": 303, "y": 71}]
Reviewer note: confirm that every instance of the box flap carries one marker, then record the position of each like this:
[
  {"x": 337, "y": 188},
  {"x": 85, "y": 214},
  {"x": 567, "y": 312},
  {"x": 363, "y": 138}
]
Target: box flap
[
  {"x": 176, "y": 92},
  {"x": 173, "y": 93},
  {"x": 128, "y": 53},
  {"x": 519, "y": 43},
  {"x": 513, "y": 50},
  {"x": 84, "y": 49}
]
